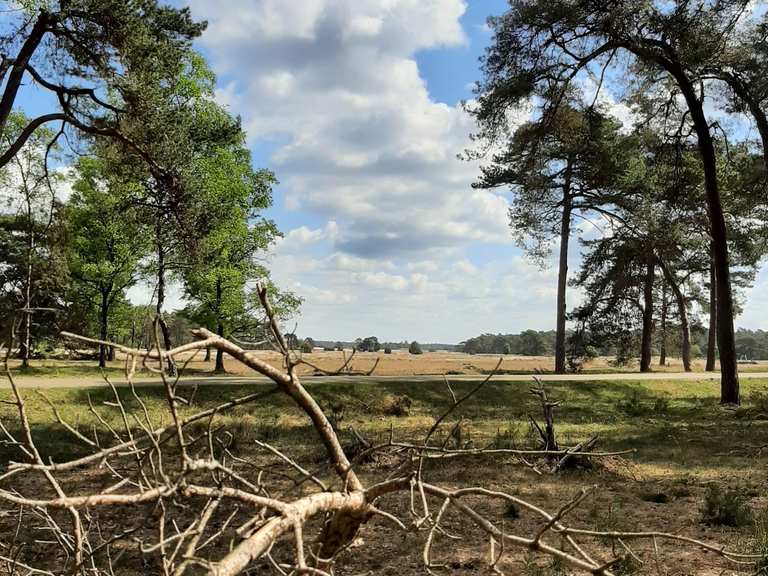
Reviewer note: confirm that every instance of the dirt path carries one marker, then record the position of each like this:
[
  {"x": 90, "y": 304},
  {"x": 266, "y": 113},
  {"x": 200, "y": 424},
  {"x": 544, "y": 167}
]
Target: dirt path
[{"x": 96, "y": 381}]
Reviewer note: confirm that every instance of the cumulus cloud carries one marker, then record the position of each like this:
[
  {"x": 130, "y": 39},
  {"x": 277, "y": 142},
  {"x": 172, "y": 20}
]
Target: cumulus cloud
[{"x": 362, "y": 144}]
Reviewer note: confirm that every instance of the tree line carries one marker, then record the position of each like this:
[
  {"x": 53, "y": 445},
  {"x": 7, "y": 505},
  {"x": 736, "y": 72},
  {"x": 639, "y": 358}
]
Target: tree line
[
  {"x": 162, "y": 184},
  {"x": 670, "y": 210}
]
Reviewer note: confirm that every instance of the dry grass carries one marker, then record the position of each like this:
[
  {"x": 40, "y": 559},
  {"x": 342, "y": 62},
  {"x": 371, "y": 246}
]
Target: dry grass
[
  {"x": 399, "y": 363},
  {"x": 685, "y": 442}
]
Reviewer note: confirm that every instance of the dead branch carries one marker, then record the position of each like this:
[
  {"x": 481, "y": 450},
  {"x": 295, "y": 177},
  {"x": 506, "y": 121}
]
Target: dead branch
[{"x": 200, "y": 508}]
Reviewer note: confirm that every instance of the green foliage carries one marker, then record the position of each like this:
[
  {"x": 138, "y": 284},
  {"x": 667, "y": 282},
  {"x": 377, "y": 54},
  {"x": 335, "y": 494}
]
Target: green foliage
[
  {"x": 570, "y": 158},
  {"x": 369, "y": 344},
  {"x": 399, "y": 405},
  {"x": 387, "y": 350},
  {"x": 636, "y": 406},
  {"x": 124, "y": 51},
  {"x": 231, "y": 199},
  {"x": 415, "y": 348},
  {"x": 529, "y": 342},
  {"x": 32, "y": 238},
  {"x": 107, "y": 241},
  {"x": 726, "y": 507}
]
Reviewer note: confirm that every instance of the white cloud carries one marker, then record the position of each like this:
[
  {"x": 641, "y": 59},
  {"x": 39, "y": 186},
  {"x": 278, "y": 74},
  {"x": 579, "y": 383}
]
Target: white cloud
[{"x": 364, "y": 145}]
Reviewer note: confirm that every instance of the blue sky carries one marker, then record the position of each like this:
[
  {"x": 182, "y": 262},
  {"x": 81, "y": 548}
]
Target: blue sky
[{"x": 355, "y": 105}]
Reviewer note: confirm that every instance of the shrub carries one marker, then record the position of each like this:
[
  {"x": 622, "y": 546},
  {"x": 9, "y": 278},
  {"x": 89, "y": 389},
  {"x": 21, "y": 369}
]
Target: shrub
[
  {"x": 661, "y": 405},
  {"x": 727, "y": 507},
  {"x": 633, "y": 406},
  {"x": 655, "y": 497},
  {"x": 328, "y": 348},
  {"x": 398, "y": 406},
  {"x": 415, "y": 348},
  {"x": 306, "y": 347},
  {"x": 590, "y": 353},
  {"x": 759, "y": 400},
  {"x": 512, "y": 511},
  {"x": 387, "y": 350}
]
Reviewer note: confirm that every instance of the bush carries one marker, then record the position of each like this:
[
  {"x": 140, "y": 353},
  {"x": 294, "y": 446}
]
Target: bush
[
  {"x": 398, "y": 406},
  {"x": 759, "y": 400},
  {"x": 661, "y": 406},
  {"x": 727, "y": 507},
  {"x": 415, "y": 348},
  {"x": 306, "y": 347},
  {"x": 387, "y": 350},
  {"x": 633, "y": 406},
  {"x": 655, "y": 497}
]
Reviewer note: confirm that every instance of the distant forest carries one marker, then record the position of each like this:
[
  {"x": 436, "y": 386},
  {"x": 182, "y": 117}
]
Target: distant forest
[{"x": 750, "y": 344}]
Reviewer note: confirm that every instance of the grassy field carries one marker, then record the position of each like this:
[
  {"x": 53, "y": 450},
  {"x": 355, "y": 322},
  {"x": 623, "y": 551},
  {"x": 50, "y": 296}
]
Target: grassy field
[
  {"x": 685, "y": 441},
  {"x": 399, "y": 363}
]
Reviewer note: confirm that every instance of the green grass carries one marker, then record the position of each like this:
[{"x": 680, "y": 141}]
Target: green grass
[
  {"x": 685, "y": 444},
  {"x": 686, "y": 431}
]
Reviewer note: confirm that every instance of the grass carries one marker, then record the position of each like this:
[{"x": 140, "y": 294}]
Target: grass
[
  {"x": 399, "y": 364},
  {"x": 685, "y": 442},
  {"x": 692, "y": 433}
]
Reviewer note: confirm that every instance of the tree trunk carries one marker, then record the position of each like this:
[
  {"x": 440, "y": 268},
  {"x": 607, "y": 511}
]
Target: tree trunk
[
  {"x": 645, "y": 345},
  {"x": 682, "y": 311},
  {"x": 25, "y": 347},
  {"x": 104, "y": 325},
  {"x": 663, "y": 343},
  {"x": 159, "y": 308},
  {"x": 712, "y": 333},
  {"x": 208, "y": 354},
  {"x": 219, "y": 352},
  {"x": 562, "y": 276},
  {"x": 219, "y": 328},
  {"x": 685, "y": 330},
  {"x": 726, "y": 339}
]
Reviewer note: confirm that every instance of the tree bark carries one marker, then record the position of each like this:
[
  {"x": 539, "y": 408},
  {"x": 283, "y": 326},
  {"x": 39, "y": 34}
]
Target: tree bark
[
  {"x": 663, "y": 343},
  {"x": 219, "y": 352},
  {"x": 726, "y": 338},
  {"x": 219, "y": 328},
  {"x": 741, "y": 88},
  {"x": 682, "y": 311},
  {"x": 26, "y": 344},
  {"x": 562, "y": 274},
  {"x": 104, "y": 325},
  {"x": 712, "y": 332},
  {"x": 645, "y": 345},
  {"x": 16, "y": 76},
  {"x": 159, "y": 308}
]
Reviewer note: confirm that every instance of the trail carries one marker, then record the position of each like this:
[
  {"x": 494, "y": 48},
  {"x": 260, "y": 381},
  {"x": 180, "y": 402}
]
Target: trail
[{"x": 147, "y": 380}]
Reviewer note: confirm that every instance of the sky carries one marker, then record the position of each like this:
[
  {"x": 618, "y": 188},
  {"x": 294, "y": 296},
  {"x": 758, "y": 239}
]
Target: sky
[{"x": 356, "y": 107}]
